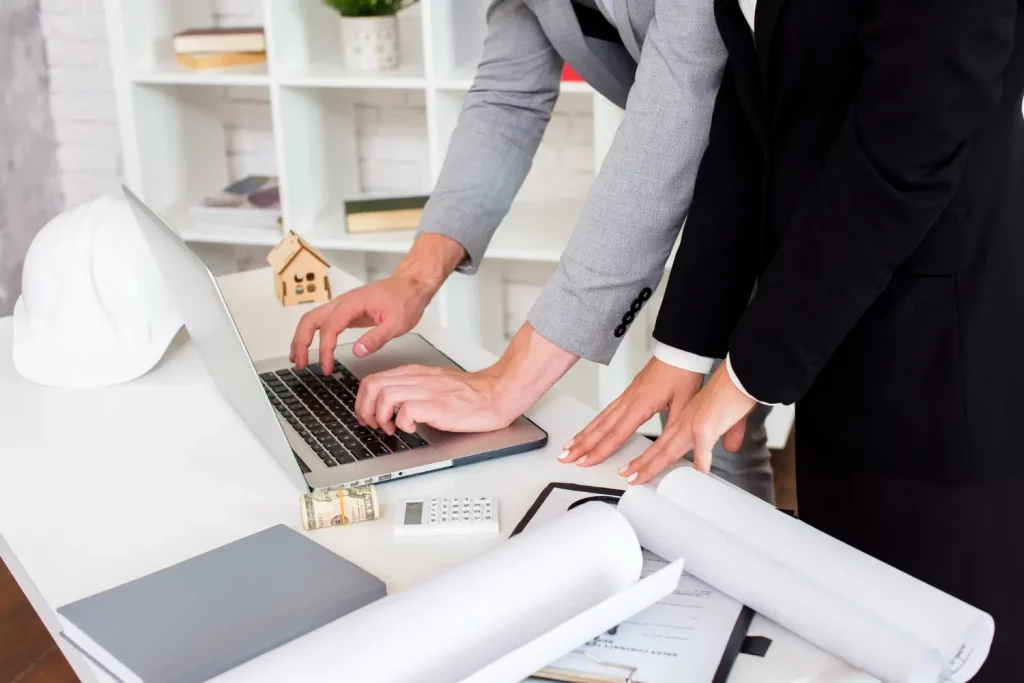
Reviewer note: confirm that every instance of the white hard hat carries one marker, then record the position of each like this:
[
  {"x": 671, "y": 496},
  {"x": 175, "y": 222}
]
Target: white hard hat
[{"x": 94, "y": 310}]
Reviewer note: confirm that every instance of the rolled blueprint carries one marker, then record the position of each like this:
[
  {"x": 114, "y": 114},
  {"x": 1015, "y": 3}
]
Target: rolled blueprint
[
  {"x": 449, "y": 627},
  {"x": 860, "y": 609}
]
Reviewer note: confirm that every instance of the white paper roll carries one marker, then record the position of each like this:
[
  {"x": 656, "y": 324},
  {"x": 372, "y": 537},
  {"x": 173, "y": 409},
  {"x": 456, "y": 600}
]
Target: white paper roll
[
  {"x": 960, "y": 632},
  {"x": 810, "y": 609},
  {"x": 448, "y": 627}
]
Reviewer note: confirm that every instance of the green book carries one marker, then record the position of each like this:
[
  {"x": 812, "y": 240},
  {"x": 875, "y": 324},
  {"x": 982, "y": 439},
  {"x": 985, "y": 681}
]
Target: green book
[{"x": 384, "y": 214}]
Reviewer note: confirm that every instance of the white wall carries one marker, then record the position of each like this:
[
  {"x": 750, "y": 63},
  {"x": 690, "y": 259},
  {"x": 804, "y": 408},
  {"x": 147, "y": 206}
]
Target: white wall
[
  {"x": 392, "y": 147},
  {"x": 29, "y": 194}
]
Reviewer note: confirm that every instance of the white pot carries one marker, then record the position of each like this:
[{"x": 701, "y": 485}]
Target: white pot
[{"x": 370, "y": 43}]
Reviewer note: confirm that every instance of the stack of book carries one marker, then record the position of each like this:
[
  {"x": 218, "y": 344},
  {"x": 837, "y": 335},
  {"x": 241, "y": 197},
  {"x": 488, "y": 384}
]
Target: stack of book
[
  {"x": 219, "y": 48},
  {"x": 384, "y": 214},
  {"x": 252, "y": 202}
]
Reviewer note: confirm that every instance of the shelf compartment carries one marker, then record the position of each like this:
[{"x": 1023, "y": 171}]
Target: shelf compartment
[
  {"x": 188, "y": 142},
  {"x": 305, "y": 42},
  {"x": 147, "y": 28},
  {"x": 340, "y": 144}
]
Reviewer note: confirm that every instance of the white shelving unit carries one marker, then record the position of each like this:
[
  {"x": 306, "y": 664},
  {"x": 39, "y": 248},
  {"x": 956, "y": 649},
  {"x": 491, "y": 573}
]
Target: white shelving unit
[{"x": 174, "y": 140}]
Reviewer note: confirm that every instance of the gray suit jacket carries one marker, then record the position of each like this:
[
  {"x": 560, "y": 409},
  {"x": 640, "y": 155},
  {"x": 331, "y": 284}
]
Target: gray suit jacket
[{"x": 666, "y": 74}]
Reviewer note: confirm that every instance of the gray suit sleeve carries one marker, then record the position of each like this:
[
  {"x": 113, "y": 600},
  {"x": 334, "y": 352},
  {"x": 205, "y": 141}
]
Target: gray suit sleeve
[
  {"x": 636, "y": 206},
  {"x": 498, "y": 131}
]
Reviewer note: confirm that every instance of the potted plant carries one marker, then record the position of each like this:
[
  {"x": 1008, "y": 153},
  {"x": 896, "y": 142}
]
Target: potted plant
[{"x": 369, "y": 32}]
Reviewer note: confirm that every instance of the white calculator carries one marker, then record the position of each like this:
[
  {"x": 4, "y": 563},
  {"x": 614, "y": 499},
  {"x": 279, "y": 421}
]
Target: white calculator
[{"x": 448, "y": 516}]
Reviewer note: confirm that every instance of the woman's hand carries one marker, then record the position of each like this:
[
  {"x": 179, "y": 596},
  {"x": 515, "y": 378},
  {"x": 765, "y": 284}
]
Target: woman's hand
[
  {"x": 718, "y": 409},
  {"x": 658, "y": 387}
]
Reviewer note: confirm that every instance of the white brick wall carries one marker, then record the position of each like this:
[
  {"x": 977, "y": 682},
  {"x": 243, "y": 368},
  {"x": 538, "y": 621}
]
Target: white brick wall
[
  {"x": 391, "y": 131},
  {"x": 82, "y": 98}
]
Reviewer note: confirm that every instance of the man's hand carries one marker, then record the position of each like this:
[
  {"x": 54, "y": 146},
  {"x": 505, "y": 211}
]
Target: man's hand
[
  {"x": 658, "y": 387},
  {"x": 457, "y": 401},
  {"x": 444, "y": 398},
  {"x": 391, "y": 306},
  {"x": 718, "y": 409}
]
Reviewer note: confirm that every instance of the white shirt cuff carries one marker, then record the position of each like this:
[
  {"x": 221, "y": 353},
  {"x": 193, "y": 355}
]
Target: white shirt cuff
[
  {"x": 739, "y": 385},
  {"x": 683, "y": 359}
]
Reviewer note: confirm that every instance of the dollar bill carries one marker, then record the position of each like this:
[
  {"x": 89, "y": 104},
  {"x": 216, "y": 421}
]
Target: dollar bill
[{"x": 339, "y": 507}]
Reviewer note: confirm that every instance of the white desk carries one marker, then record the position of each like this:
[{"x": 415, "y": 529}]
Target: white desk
[{"x": 101, "y": 487}]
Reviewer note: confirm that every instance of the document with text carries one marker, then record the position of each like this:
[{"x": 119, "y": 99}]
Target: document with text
[{"x": 684, "y": 634}]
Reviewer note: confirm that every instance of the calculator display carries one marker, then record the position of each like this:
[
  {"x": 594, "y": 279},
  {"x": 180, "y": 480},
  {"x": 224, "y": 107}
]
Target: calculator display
[{"x": 414, "y": 512}]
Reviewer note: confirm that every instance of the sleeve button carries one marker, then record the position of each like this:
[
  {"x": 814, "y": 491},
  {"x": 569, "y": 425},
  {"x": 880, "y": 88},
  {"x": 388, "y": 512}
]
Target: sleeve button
[
  {"x": 636, "y": 306},
  {"x": 645, "y": 294},
  {"x": 620, "y": 330},
  {"x": 628, "y": 318}
]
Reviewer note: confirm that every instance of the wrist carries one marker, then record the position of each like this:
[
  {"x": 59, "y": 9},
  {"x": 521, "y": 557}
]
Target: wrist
[
  {"x": 429, "y": 262},
  {"x": 529, "y": 367}
]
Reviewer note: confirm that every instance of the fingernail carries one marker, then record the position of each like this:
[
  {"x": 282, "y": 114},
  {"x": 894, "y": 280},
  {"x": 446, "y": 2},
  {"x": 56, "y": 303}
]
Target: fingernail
[
  {"x": 568, "y": 444},
  {"x": 360, "y": 349},
  {"x": 622, "y": 470},
  {"x": 564, "y": 455},
  {"x": 582, "y": 461},
  {"x": 630, "y": 478}
]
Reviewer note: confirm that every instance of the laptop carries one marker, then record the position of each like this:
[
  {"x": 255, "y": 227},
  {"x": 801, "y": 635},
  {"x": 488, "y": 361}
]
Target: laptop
[{"x": 304, "y": 418}]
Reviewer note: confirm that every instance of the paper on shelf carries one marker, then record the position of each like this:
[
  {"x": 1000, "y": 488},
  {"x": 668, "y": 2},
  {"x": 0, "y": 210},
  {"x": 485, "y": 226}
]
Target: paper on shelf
[
  {"x": 449, "y": 627},
  {"x": 830, "y": 594}
]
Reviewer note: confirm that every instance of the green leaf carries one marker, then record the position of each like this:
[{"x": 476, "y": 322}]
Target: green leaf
[{"x": 367, "y": 8}]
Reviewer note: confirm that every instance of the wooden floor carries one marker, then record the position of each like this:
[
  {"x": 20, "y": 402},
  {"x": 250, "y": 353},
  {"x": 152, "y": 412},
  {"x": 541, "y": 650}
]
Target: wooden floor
[
  {"x": 29, "y": 655},
  {"x": 784, "y": 464}
]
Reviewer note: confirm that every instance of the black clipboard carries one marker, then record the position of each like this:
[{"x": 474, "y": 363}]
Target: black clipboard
[{"x": 736, "y": 643}]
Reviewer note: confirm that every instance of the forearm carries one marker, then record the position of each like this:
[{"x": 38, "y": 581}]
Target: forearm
[
  {"x": 429, "y": 262},
  {"x": 529, "y": 367},
  {"x": 501, "y": 124},
  {"x": 616, "y": 256}
]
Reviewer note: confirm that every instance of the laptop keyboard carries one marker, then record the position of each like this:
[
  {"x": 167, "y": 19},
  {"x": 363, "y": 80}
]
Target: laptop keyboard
[{"x": 321, "y": 409}]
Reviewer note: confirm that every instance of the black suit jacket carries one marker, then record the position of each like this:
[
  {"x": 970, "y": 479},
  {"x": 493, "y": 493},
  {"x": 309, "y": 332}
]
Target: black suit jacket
[{"x": 865, "y": 176}]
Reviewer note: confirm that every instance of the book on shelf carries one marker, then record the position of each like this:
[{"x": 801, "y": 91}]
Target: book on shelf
[
  {"x": 219, "y": 60},
  {"x": 384, "y": 214},
  {"x": 240, "y": 39},
  {"x": 253, "y": 201}
]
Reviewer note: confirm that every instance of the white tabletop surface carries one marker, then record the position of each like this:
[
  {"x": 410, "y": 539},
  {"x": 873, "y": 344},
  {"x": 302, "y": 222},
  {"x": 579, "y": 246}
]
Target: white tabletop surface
[{"x": 101, "y": 487}]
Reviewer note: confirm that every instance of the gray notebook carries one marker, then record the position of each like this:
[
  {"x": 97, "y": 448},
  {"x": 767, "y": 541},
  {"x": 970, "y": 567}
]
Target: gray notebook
[{"x": 199, "y": 618}]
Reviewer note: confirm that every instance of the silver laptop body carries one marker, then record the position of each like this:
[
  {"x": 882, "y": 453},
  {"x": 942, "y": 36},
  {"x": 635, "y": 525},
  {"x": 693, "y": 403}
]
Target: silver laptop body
[{"x": 274, "y": 399}]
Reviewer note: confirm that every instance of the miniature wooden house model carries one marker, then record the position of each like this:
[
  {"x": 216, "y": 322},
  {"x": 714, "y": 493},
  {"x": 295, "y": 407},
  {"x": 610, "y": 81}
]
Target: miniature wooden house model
[{"x": 300, "y": 272}]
